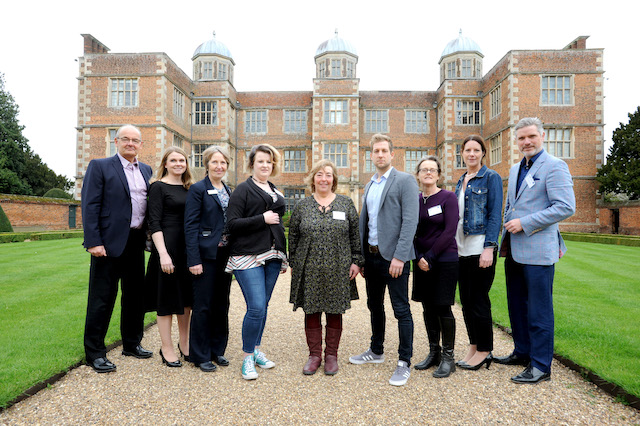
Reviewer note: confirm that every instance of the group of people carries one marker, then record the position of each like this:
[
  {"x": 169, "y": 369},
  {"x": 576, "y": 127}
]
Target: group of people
[{"x": 202, "y": 232}]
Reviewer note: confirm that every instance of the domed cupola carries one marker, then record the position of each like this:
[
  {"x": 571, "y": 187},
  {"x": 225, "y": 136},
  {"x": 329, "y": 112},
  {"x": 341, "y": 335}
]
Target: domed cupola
[
  {"x": 212, "y": 60},
  {"x": 336, "y": 58},
  {"x": 461, "y": 59}
]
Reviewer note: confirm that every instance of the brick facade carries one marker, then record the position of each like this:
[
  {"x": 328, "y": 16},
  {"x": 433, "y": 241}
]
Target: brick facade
[{"x": 519, "y": 77}]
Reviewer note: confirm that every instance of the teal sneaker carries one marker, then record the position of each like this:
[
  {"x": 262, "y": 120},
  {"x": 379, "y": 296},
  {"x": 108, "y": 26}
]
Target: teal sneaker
[
  {"x": 261, "y": 360},
  {"x": 249, "y": 368}
]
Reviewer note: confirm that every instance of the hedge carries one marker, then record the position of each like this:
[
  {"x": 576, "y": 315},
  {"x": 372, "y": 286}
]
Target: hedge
[
  {"x": 621, "y": 240},
  {"x": 17, "y": 237}
]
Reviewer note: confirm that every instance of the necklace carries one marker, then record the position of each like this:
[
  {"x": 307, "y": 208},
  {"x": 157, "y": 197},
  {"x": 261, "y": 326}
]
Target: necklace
[
  {"x": 425, "y": 197},
  {"x": 259, "y": 182},
  {"x": 321, "y": 202}
]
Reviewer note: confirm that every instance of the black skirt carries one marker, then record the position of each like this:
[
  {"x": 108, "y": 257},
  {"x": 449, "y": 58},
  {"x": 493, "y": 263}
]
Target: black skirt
[{"x": 436, "y": 286}]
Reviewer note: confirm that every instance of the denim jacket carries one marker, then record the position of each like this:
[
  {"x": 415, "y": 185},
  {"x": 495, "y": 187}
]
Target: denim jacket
[{"x": 483, "y": 205}]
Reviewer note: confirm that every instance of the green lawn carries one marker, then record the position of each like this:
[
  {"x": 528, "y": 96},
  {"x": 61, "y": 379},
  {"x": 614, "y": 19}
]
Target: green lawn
[
  {"x": 597, "y": 310},
  {"x": 43, "y": 300},
  {"x": 43, "y": 293}
]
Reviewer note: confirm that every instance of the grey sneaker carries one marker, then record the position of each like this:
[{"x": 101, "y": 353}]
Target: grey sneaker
[
  {"x": 367, "y": 356},
  {"x": 401, "y": 375}
]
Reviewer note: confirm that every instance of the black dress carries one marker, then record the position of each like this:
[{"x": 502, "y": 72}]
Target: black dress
[{"x": 168, "y": 293}]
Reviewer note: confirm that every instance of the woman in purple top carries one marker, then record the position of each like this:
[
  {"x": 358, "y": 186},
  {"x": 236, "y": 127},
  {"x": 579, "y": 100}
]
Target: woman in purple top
[{"x": 435, "y": 269}]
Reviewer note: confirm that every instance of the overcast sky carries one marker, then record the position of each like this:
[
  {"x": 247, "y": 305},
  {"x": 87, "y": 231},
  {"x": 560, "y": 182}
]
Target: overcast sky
[{"x": 273, "y": 44}]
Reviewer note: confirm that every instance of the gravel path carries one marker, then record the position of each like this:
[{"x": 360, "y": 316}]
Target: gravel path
[{"x": 146, "y": 392}]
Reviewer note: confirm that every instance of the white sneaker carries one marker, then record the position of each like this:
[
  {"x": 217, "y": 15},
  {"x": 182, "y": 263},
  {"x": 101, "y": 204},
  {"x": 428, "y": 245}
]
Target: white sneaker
[
  {"x": 249, "y": 368},
  {"x": 401, "y": 375},
  {"x": 261, "y": 360},
  {"x": 367, "y": 356}
]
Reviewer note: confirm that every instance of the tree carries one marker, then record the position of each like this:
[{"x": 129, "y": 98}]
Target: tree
[
  {"x": 21, "y": 170},
  {"x": 621, "y": 173}
]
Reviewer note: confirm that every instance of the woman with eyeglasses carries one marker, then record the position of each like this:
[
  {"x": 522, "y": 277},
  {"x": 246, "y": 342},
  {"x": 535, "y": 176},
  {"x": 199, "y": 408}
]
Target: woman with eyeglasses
[
  {"x": 479, "y": 193},
  {"x": 435, "y": 268}
]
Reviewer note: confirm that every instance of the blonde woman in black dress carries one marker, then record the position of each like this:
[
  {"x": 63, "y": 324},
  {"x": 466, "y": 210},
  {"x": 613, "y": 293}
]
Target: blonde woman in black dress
[
  {"x": 325, "y": 258},
  {"x": 167, "y": 274}
]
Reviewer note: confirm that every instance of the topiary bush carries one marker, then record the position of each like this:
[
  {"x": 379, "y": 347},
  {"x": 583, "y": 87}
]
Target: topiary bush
[
  {"x": 5, "y": 225},
  {"x": 57, "y": 193}
]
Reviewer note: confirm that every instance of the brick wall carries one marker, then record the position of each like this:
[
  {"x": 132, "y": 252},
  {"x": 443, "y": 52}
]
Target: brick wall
[
  {"x": 628, "y": 217},
  {"x": 36, "y": 213}
]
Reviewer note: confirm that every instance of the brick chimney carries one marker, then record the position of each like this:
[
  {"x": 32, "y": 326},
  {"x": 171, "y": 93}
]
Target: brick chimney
[
  {"x": 578, "y": 43},
  {"x": 93, "y": 45}
]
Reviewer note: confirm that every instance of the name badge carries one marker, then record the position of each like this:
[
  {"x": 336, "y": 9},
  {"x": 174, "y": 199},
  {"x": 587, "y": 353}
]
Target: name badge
[
  {"x": 529, "y": 180},
  {"x": 435, "y": 210},
  {"x": 212, "y": 191},
  {"x": 339, "y": 215}
]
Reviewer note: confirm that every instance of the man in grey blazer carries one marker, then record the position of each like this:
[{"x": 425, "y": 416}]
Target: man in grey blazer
[
  {"x": 540, "y": 195},
  {"x": 388, "y": 223}
]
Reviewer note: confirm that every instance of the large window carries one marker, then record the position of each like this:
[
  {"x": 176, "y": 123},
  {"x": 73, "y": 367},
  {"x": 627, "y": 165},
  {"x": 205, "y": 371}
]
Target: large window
[
  {"x": 337, "y": 153},
  {"x": 335, "y": 68},
  {"x": 467, "y": 112},
  {"x": 205, "y": 113},
  {"x": 321, "y": 70},
  {"x": 416, "y": 122},
  {"x": 207, "y": 70},
  {"x": 376, "y": 121},
  {"x": 178, "y": 103},
  {"x": 255, "y": 122},
  {"x": 295, "y": 121},
  {"x": 198, "y": 149},
  {"x": 335, "y": 112},
  {"x": 295, "y": 160},
  {"x": 556, "y": 90},
  {"x": 441, "y": 117},
  {"x": 495, "y": 98},
  {"x": 411, "y": 159},
  {"x": 111, "y": 143},
  {"x": 465, "y": 69},
  {"x": 459, "y": 161},
  {"x": 124, "y": 92},
  {"x": 451, "y": 69},
  {"x": 558, "y": 142},
  {"x": 292, "y": 196},
  {"x": 495, "y": 145}
]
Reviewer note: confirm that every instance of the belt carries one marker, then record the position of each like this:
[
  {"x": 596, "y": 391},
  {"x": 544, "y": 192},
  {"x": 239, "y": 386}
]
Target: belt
[{"x": 374, "y": 249}]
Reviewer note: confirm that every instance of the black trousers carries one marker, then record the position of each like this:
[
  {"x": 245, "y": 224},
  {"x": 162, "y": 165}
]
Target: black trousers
[
  {"x": 209, "y": 332},
  {"x": 104, "y": 275},
  {"x": 475, "y": 283}
]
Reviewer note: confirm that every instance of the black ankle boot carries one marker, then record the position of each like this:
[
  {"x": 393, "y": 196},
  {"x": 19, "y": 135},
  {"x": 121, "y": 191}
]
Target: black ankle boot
[
  {"x": 432, "y": 359},
  {"x": 447, "y": 363}
]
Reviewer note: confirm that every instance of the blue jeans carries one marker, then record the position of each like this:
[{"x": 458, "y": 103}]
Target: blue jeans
[
  {"x": 377, "y": 280},
  {"x": 257, "y": 285}
]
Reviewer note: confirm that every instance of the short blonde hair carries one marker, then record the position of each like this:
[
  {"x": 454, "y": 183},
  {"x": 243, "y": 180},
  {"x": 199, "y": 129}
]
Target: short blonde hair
[
  {"x": 379, "y": 137},
  {"x": 320, "y": 165},
  {"x": 209, "y": 152},
  {"x": 267, "y": 149}
]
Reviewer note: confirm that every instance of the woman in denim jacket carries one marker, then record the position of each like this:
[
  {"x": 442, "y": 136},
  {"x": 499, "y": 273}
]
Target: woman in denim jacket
[{"x": 479, "y": 193}]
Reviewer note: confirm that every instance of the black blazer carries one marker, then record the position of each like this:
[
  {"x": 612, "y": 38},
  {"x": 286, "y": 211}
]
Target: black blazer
[
  {"x": 106, "y": 204},
  {"x": 249, "y": 232},
  {"x": 203, "y": 222}
]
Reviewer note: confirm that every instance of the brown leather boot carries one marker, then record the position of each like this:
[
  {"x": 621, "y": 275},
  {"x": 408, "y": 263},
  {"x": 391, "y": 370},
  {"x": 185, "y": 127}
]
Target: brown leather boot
[
  {"x": 314, "y": 341},
  {"x": 332, "y": 341}
]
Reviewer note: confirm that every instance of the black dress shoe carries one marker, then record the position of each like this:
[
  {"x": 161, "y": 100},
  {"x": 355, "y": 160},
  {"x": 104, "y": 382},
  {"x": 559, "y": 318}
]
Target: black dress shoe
[
  {"x": 221, "y": 360},
  {"x": 138, "y": 352},
  {"x": 207, "y": 367},
  {"x": 512, "y": 359},
  {"x": 102, "y": 365},
  {"x": 170, "y": 363},
  {"x": 531, "y": 375},
  {"x": 487, "y": 361}
]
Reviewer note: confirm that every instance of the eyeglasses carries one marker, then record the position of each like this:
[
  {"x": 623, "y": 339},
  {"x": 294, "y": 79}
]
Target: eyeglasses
[
  {"x": 431, "y": 171},
  {"x": 127, "y": 140}
]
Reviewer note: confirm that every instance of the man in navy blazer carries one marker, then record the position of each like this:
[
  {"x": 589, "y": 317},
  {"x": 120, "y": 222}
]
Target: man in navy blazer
[
  {"x": 114, "y": 200},
  {"x": 388, "y": 223},
  {"x": 539, "y": 196}
]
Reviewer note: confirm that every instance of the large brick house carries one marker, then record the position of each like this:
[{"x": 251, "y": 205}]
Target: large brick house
[{"x": 335, "y": 119}]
